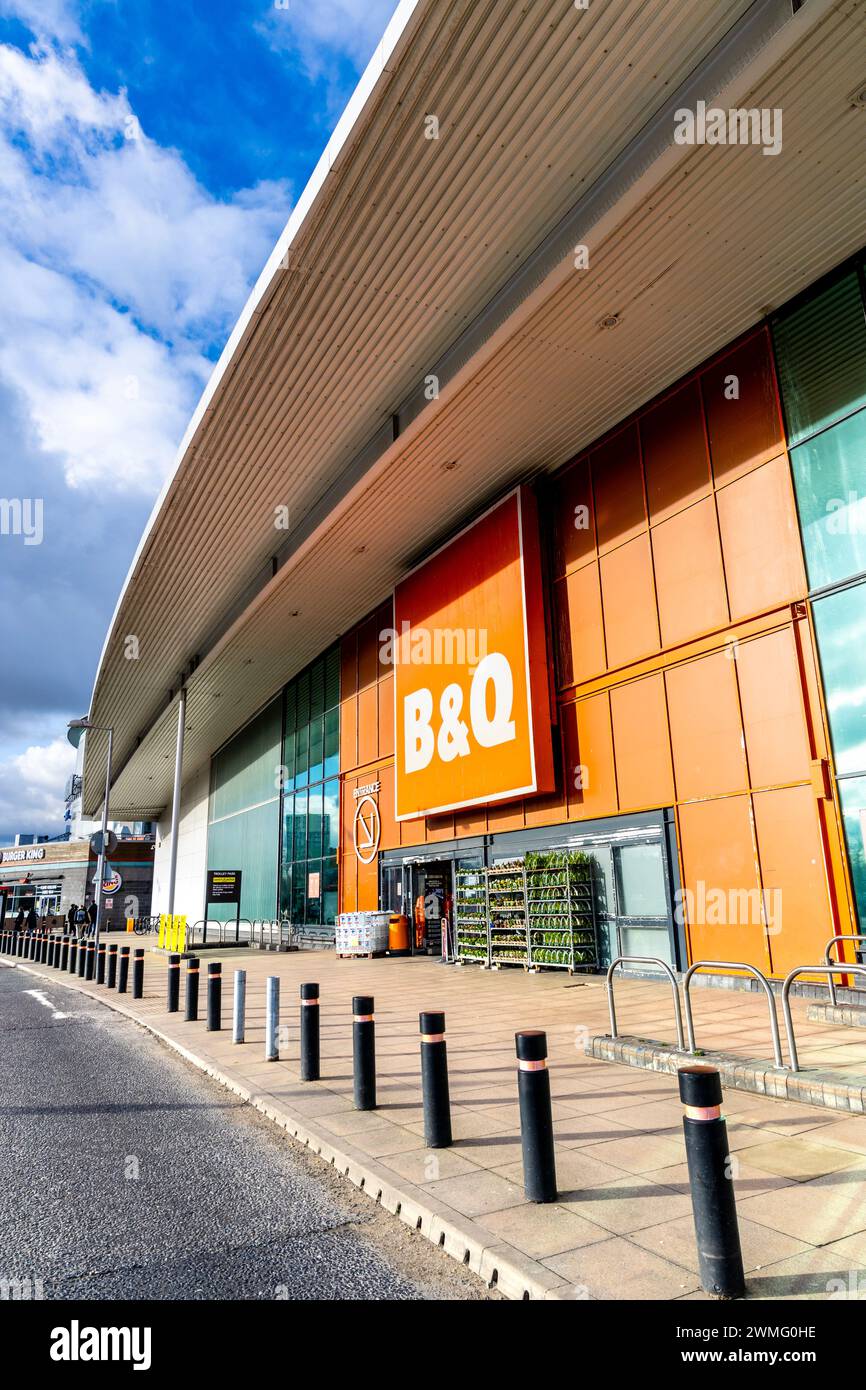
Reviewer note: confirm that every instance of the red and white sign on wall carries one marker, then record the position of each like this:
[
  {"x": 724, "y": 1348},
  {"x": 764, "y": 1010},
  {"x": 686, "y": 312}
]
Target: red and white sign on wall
[{"x": 472, "y": 713}]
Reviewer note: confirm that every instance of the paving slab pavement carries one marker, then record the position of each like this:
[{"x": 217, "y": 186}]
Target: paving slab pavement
[{"x": 622, "y": 1225}]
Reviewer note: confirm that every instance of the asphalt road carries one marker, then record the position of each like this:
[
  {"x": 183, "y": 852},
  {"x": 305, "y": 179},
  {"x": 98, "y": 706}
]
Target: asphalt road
[{"x": 125, "y": 1173}]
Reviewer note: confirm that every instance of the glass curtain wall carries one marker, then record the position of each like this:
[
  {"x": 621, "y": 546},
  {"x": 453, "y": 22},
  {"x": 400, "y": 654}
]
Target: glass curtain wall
[
  {"x": 311, "y": 795},
  {"x": 820, "y": 343}
]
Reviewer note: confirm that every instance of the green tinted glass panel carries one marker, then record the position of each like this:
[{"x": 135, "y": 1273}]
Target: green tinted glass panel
[
  {"x": 300, "y": 849},
  {"x": 286, "y": 890},
  {"x": 840, "y": 624},
  {"x": 331, "y": 825},
  {"x": 249, "y": 842},
  {"x": 288, "y": 827},
  {"x": 317, "y": 690},
  {"x": 332, "y": 678},
  {"x": 246, "y": 771},
  {"x": 291, "y": 707},
  {"x": 852, "y": 794},
  {"x": 317, "y": 748},
  {"x": 289, "y": 760},
  {"x": 332, "y": 742},
  {"x": 302, "y": 691},
  {"x": 821, "y": 354},
  {"x": 314, "y": 822},
  {"x": 830, "y": 480},
  {"x": 302, "y": 756},
  {"x": 329, "y": 891}
]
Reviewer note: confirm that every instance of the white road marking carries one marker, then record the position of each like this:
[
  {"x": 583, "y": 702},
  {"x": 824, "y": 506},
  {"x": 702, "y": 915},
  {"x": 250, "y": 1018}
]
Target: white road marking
[{"x": 41, "y": 999}]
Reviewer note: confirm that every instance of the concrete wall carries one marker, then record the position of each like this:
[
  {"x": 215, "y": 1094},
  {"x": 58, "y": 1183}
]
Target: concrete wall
[{"x": 191, "y": 853}]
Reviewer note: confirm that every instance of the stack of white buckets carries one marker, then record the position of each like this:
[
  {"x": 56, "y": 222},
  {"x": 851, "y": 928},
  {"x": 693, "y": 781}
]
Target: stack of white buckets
[{"x": 361, "y": 933}]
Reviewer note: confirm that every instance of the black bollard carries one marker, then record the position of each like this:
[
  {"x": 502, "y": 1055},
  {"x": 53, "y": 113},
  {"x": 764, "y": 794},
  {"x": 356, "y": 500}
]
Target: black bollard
[
  {"x": 111, "y": 976},
  {"x": 45, "y": 943},
  {"x": 364, "y": 1052},
  {"x": 720, "y": 1259},
  {"x": 63, "y": 963},
  {"x": 138, "y": 973},
  {"x": 51, "y": 951},
  {"x": 434, "y": 1080},
  {"x": 123, "y": 970},
  {"x": 536, "y": 1116},
  {"x": 173, "y": 984},
  {"x": 90, "y": 961},
  {"x": 82, "y": 957},
  {"x": 192, "y": 974},
  {"x": 214, "y": 996},
  {"x": 310, "y": 1051},
  {"x": 73, "y": 955},
  {"x": 100, "y": 964}
]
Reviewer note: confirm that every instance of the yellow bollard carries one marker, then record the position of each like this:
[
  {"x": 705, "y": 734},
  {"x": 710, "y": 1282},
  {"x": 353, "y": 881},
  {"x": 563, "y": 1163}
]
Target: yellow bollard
[
  {"x": 130, "y": 924},
  {"x": 181, "y": 934}
]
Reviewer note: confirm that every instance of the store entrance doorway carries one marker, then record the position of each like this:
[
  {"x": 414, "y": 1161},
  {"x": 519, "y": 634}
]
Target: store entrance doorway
[{"x": 432, "y": 907}]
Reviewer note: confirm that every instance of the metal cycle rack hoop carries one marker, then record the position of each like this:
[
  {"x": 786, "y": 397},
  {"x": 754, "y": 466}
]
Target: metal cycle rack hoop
[
  {"x": 829, "y": 971},
  {"x": 829, "y": 961},
  {"x": 663, "y": 965},
  {"x": 732, "y": 965}
]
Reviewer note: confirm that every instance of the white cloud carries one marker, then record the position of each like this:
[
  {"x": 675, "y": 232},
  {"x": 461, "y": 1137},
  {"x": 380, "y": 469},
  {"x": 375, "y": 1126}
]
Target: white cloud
[
  {"x": 56, "y": 18},
  {"x": 123, "y": 272},
  {"x": 324, "y": 34},
  {"x": 31, "y": 788}
]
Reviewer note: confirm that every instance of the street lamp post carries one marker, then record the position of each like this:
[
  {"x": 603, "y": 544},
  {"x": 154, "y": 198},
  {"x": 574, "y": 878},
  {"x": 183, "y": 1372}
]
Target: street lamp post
[{"x": 77, "y": 727}]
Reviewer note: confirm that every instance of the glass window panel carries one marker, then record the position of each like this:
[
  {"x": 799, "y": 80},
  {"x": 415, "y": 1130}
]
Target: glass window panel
[
  {"x": 247, "y": 841},
  {"x": 332, "y": 678},
  {"x": 853, "y": 797},
  {"x": 302, "y": 686},
  {"x": 821, "y": 353},
  {"x": 286, "y": 890},
  {"x": 317, "y": 689},
  {"x": 830, "y": 480},
  {"x": 300, "y": 850},
  {"x": 332, "y": 742},
  {"x": 291, "y": 705},
  {"x": 289, "y": 760},
  {"x": 329, "y": 891},
  {"x": 840, "y": 625},
  {"x": 245, "y": 770},
  {"x": 641, "y": 881},
  {"x": 314, "y": 822},
  {"x": 317, "y": 744},
  {"x": 302, "y": 756},
  {"x": 288, "y": 827},
  {"x": 314, "y": 890},
  {"x": 299, "y": 897},
  {"x": 331, "y": 818}
]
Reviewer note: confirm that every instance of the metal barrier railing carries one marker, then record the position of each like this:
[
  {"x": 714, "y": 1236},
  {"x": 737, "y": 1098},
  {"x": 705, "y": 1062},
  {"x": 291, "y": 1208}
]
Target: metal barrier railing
[
  {"x": 645, "y": 960},
  {"x": 829, "y": 960},
  {"x": 227, "y": 933},
  {"x": 730, "y": 965},
  {"x": 829, "y": 971}
]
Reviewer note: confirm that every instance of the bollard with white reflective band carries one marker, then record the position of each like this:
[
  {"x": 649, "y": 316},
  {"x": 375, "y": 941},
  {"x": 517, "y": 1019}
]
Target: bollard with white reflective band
[
  {"x": 239, "y": 1012},
  {"x": 363, "y": 1052},
  {"x": 214, "y": 996},
  {"x": 714, "y": 1206},
  {"x": 100, "y": 963},
  {"x": 310, "y": 1058},
  {"x": 111, "y": 976},
  {"x": 434, "y": 1080},
  {"x": 138, "y": 974},
  {"x": 536, "y": 1116},
  {"x": 172, "y": 1002},
  {"x": 123, "y": 970},
  {"x": 192, "y": 974},
  {"x": 272, "y": 1019}
]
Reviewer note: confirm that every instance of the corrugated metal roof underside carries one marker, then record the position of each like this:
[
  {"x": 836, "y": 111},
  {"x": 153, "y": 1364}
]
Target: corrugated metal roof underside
[{"x": 728, "y": 233}]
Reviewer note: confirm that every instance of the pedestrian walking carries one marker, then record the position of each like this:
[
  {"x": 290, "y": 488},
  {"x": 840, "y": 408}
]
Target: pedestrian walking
[
  {"x": 91, "y": 918},
  {"x": 80, "y": 922},
  {"x": 71, "y": 917}
]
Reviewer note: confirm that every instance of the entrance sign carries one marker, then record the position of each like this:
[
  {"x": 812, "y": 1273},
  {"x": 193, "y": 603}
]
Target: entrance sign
[
  {"x": 471, "y": 685},
  {"x": 366, "y": 830}
]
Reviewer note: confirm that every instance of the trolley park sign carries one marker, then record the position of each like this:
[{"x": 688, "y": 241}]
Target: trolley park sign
[{"x": 472, "y": 718}]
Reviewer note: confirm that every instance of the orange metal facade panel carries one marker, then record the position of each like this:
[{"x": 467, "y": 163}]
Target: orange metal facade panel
[
  {"x": 794, "y": 876},
  {"x": 571, "y": 513},
  {"x": 706, "y": 729},
  {"x": 349, "y": 884},
  {"x": 642, "y": 747},
  {"x": 675, "y": 455},
  {"x": 617, "y": 480},
  {"x": 690, "y": 579},
  {"x": 349, "y": 733},
  {"x": 589, "y": 769},
  {"x": 761, "y": 540},
  {"x": 386, "y": 717},
  {"x": 368, "y": 725},
  {"x": 348, "y": 665},
  {"x": 747, "y": 430},
  {"x": 722, "y": 900},
  {"x": 628, "y": 597},
  {"x": 368, "y": 653},
  {"x": 506, "y": 815},
  {"x": 772, "y": 699},
  {"x": 390, "y": 832},
  {"x": 579, "y": 626}
]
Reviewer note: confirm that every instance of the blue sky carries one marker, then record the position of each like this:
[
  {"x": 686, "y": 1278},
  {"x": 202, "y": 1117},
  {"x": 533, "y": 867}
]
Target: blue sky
[{"x": 150, "y": 154}]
